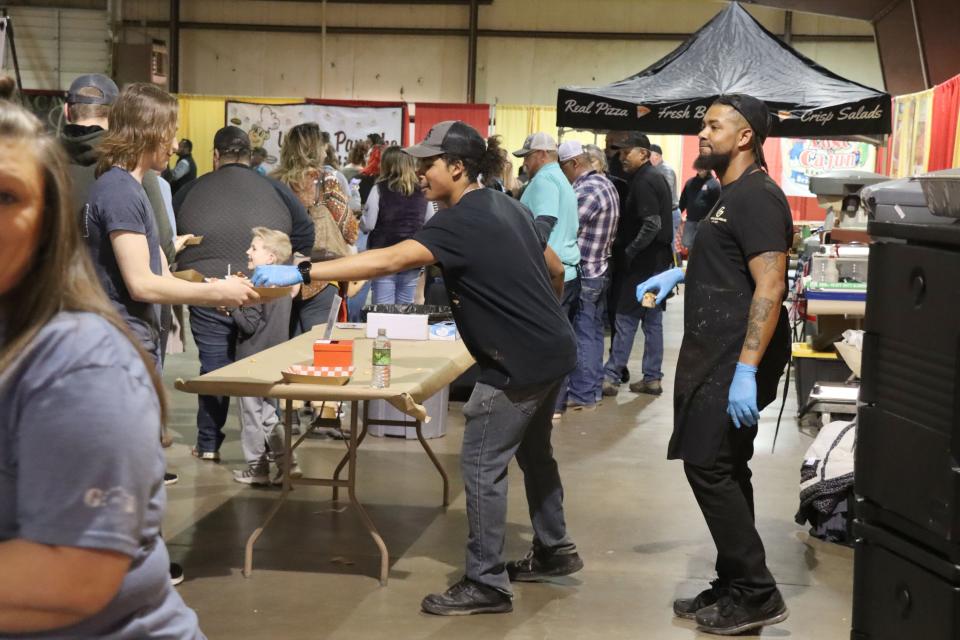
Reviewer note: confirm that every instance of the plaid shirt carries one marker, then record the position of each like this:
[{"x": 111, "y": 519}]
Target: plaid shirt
[{"x": 598, "y": 207}]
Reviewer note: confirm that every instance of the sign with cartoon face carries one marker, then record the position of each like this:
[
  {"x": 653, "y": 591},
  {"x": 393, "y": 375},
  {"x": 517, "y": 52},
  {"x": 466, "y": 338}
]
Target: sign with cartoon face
[
  {"x": 804, "y": 159},
  {"x": 266, "y": 124}
]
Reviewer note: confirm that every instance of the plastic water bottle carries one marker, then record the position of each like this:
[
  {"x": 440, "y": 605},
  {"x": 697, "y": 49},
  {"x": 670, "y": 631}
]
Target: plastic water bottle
[{"x": 381, "y": 360}]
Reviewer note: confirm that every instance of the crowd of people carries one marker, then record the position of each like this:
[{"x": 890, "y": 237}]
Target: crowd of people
[{"x": 535, "y": 271}]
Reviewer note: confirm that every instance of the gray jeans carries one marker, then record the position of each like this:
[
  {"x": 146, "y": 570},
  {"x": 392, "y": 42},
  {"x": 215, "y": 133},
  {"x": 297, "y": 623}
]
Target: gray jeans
[
  {"x": 260, "y": 426},
  {"x": 501, "y": 424}
]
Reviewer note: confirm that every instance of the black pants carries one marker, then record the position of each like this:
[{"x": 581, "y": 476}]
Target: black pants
[{"x": 725, "y": 496}]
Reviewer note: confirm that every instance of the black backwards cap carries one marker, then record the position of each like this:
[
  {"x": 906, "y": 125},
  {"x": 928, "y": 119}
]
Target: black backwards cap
[
  {"x": 453, "y": 137},
  {"x": 105, "y": 90},
  {"x": 757, "y": 115}
]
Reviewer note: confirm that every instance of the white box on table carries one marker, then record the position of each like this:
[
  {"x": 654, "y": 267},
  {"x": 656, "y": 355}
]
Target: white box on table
[
  {"x": 436, "y": 406},
  {"x": 398, "y": 326}
]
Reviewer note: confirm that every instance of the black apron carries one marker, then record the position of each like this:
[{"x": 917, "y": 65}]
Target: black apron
[{"x": 715, "y": 326}]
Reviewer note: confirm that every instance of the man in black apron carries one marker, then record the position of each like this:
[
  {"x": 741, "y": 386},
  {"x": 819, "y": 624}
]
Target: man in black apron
[{"x": 735, "y": 345}]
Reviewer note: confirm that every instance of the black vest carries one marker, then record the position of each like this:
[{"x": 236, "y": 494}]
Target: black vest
[
  {"x": 190, "y": 176},
  {"x": 399, "y": 217}
]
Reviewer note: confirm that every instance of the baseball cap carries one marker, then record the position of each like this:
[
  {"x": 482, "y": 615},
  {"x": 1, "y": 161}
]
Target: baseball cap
[
  {"x": 450, "y": 136},
  {"x": 107, "y": 89},
  {"x": 633, "y": 139},
  {"x": 570, "y": 149},
  {"x": 753, "y": 110},
  {"x": 655, "y": 148},
  {"x": 231, "y": 139},
  {"x": 539, "y": 141}
]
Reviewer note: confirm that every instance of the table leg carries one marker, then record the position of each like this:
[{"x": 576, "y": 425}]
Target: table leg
[
  {"x": 346, "y": 456},
  {"x": 351, "y": 490},
  {"x": 288, "y": 453},
  {"x": 436, "y": 463}
]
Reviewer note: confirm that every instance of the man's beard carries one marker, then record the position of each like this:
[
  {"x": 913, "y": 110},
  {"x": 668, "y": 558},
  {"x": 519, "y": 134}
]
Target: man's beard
[{"x": 714, "y": 162}]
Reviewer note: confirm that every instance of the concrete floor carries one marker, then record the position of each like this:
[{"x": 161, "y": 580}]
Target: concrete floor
[{"x": 629, "y": 510}]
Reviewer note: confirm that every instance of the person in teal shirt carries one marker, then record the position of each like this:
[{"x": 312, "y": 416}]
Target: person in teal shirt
[{"x": 554, "y": 205}]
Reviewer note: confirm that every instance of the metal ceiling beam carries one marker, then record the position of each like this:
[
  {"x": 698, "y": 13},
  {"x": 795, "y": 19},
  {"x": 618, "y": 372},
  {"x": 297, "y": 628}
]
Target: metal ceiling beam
[{"x": 459, "y": 33}]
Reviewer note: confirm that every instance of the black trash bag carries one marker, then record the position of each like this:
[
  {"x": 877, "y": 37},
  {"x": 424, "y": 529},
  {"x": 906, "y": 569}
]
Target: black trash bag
[{"x": 435, "y": 313}]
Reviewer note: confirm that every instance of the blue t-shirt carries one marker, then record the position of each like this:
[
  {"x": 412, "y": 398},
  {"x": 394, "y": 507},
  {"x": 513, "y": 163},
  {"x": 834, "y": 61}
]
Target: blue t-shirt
[
  {"x": 550, "y": 194},
  {"x": 81, "y": 466},
  {"x": 117, "y": 202}
]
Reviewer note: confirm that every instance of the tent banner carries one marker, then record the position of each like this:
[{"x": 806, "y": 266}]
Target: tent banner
[
  {"x": 268, "y": 123},
  {"x": 805, "y": 159}
]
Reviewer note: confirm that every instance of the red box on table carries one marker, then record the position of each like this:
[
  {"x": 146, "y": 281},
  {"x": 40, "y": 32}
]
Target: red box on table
[{"x": 333, "y": 353}]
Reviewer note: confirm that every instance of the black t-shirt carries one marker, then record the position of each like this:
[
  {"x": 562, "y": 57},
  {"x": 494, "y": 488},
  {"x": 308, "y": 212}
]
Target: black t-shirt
[
  {"x": 698, "y": 197},
  {"x": 495, "y": 274},
  {"x": 117, "y": 202},
  {"x": 751, "y": 217}
]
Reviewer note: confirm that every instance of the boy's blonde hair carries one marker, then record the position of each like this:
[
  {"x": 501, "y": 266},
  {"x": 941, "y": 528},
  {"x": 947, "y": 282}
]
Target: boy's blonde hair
[{"x": 276, "y": 242}]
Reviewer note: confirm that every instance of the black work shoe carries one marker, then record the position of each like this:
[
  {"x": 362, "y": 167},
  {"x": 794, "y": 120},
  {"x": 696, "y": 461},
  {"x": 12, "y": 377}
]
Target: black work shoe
[
  {"x": 609, "y": 389},
  {"x": 538, "y": 565},
  {"x": 652, "y": 387},
  {"x": 466, "y": 598},
  {"x": 687, "y": 607},
  {"x": 728, "y": 617}
]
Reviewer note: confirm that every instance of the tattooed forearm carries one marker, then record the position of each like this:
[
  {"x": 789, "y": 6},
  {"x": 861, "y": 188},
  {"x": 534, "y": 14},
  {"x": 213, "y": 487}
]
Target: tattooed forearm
[{"x": 759, "y": 313}]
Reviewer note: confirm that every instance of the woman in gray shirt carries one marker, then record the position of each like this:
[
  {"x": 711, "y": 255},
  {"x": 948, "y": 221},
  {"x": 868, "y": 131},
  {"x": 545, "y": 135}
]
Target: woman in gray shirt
[{"x": 81, "y": 467}]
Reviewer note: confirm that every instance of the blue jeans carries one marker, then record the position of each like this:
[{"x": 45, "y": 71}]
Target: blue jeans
[
  {"x": 500, "y": 424},
  {"x": 216, "y": 337},
  {"x": 569, "y": 303},
  {"x": 356, "y": 304},
  {"x": 623, "y": 343},
  {"x": 585, "y": 382},
  {"x": 398, "y": 288}
]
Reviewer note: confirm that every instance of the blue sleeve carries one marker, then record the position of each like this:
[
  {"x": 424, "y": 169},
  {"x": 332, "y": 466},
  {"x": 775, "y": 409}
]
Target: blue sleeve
[
  {"x": 543, "y": 198},
  {"x": 121, "y": 211}
]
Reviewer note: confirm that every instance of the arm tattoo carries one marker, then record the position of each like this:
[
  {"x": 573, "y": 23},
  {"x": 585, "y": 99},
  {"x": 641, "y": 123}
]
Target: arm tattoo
[
  {"x": 759, "y": 312},
  {"x": 771, "y": 260}
]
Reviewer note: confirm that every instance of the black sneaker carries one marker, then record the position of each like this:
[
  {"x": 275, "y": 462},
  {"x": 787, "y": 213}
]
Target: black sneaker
[
  {"x": 539, "y": 565},
  {"x": 466, "y": 598},
  {"x": 728, "y": 617},
  {"x": 687, "y": 607},
  {"x": 176, "y": 574},
  {"x": 170, "y": 478}
]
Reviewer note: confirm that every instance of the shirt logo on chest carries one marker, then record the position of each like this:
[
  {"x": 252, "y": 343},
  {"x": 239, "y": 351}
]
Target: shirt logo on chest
[{"x": 719, "y": 215}]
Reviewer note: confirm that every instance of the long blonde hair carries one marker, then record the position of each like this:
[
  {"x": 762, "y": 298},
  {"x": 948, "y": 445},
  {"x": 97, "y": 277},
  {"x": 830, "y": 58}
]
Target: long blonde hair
[
  {"x": 142, "y": 120},
  {"x": 303, "y": 150},
  {"x": 62, "y": 277},
  {"x": 398, "y": 170}
]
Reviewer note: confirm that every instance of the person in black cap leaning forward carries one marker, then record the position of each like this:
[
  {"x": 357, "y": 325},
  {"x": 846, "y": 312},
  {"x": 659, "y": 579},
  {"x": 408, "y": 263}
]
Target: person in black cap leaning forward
[
  {"x": 735, "y": 345},
  {"x": 505, "y": 284}
]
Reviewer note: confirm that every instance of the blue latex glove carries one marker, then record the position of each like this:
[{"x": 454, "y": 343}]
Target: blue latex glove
[
  {"x": 276, "y": 275},
  {"x": 663, "y": 283},
  {"x": 742, "y": 399}
]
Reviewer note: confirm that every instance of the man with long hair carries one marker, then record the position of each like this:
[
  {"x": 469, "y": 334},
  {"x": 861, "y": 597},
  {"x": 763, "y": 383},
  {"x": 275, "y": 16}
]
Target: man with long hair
[{"x": 735, "y": 344}]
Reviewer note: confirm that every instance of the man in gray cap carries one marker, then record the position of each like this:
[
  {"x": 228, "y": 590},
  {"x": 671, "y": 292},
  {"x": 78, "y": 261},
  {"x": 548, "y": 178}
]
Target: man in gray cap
[
  {"x": 736, "y": 342},
  {"x": 554, "y": 205}
]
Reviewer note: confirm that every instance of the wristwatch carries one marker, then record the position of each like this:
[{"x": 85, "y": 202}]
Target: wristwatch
[{"x": 304, "y": 269}]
